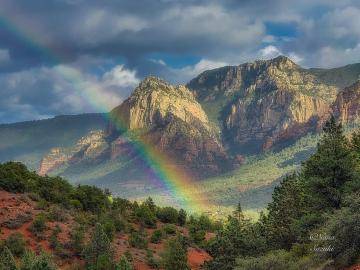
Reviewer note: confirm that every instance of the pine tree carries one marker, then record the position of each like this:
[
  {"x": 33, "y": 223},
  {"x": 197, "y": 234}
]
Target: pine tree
[
  {"x": 182, "y": 217},
  {"x": 238, "y": 213},
  {"x": 329, "y": 168},
  {"x": 98, "y": 255},
  {"x": 175, "y": 255}
]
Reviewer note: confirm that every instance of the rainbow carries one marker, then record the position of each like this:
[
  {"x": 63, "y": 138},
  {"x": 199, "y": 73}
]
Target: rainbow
[{"x": 175, "y": 181}]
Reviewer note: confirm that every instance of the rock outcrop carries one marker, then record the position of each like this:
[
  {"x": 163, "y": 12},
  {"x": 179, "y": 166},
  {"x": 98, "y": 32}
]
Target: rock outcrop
[
  {"x": 170, "y": 119},
  {"x": 264, "y": 103},
  {"x": 90, "y": 148},
  {"x": 163, "y": 117},
  {"x": 347, "y": 105}
]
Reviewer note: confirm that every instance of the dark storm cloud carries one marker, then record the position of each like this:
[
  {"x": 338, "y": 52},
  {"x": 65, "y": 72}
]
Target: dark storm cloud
[{"x": 172, "y": 39}]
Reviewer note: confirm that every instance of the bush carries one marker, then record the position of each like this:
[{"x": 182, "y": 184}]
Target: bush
[
  {"x": 109, "y": 227},
  {"x": 124, "y": 264},
  {"x": 169, "y": 229},
  {"x": 54, "y": 241},
  {"x": 18, "y": 221},
  {"x": 278, "y": 259},
  {"x": 77, "y": 236},
  {"x": 16, "y": 244},
  {"x": 145, "y": 216},
  {"x": 168, "y": 215},
  {"x": 150, "y": 260},
  {"x": 7, "y": 261},
  {"x": 56, "y": 214},
  {"x": 138, "y": 240},
  {"x": 39, "y": 225},
  {"x": 32, "y": 262},
  {"x": 156, "y": 236}
]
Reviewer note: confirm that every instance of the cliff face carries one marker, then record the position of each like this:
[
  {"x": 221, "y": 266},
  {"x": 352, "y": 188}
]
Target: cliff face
[
  {"x": 266, "y": 102},
  {"x": 90, "y": 148},
  {"x": 248, "y": 108},
  {"x": 347, "y": 104},
  {"x": 171, "y": 120},
  {"x": 160, "y": 115}
]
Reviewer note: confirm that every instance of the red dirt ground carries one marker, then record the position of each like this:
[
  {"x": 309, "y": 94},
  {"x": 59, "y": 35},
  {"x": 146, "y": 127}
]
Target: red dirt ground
[{"x": 13, "y": 205}]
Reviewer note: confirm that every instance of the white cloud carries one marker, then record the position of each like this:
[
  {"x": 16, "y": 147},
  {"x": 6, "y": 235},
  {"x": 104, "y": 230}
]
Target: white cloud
[
  {"x": 272, "y": 51},
  {"x": 192, "y": 71},
  {"x": 41, "y": 92},
  {"x": 269, "y": 52},
  {"x": 119, "y": 76},
  {"x": 333, "y": 57}
]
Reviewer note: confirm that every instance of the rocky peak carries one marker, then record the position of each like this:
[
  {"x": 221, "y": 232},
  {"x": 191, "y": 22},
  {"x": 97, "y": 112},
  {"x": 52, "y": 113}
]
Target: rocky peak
[
  {"x": 153, "y": 101},
  {"x": 263, "y": 102},
  {"x": 282, "y": 62}
]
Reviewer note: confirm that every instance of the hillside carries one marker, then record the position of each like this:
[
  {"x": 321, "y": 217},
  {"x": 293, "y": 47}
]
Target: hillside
[
  {"x": 311, "y": 222},
  {"x": 48, "y": 215},
  {"x": 235, "y": 128},
  {"x": 29, "y": 141}
]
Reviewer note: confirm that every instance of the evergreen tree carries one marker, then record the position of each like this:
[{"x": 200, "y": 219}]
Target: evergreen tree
[
  {"x": 182, "y": 217},
  {"x": 329, "y": 168},
  {"x": 175, "y": 255},
  {"x": 238, "y": 213},
  {"x": 98, "y": 254},
  {"x": 287, "y": 206}
]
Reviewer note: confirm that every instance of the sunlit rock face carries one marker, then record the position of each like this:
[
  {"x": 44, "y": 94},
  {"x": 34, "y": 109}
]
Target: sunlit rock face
[
  {"x": 165, "y": 118},
  {"x": 266, "y": 102}
]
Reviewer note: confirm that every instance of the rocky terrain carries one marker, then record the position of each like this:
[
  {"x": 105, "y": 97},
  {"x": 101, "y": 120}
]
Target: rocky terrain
[
  {"x": 159, "y": 115},
  {"x": 209, "y": 126},
  {"x": 265, "y": 103}
]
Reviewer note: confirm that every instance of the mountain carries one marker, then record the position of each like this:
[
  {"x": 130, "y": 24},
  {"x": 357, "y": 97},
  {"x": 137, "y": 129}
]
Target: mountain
[
  {"x": 261, "y": 104},
  {"x": 160, "y": 116},
  {"x": 238, "y": 129},
  {"x": 30, "y": 141}
]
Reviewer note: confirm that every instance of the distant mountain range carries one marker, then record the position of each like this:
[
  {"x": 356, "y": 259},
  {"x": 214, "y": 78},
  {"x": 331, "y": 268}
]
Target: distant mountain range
[{"x": 207, "y": 128}]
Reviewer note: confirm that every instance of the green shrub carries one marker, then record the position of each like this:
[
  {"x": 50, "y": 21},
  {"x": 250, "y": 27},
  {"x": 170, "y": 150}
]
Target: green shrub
[
  {"x": 39, "y": 224},
  {"x": 145, "y": 216},
  {"x": 124, "y": 264},
  {"x": 156, "y": 236},
  {"x": 138, "y": 240},
  {"x": 77, "y": 236},
  {"x": 30, "y": 261},
  {"x": 169, "y": 229},
  {"x": 168, "y": 215},
  {"x": 16, "y": 244},
  {"x": 56, "y": 213},
  {"x": 151, "y": 261}
]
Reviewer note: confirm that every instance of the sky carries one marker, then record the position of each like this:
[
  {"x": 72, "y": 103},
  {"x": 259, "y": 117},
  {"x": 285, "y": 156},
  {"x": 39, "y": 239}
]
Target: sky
[{"x": 77, "y": 56}]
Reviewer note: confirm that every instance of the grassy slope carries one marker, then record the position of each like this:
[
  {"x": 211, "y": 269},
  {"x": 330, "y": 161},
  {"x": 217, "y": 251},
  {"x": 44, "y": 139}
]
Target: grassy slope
[
  {"x": 29, "y": 141},
  {"x": 252, "y": 183}
]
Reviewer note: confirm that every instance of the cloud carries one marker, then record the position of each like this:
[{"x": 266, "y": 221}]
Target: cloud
[
  {"x": 109, "y": 41},
  {"x": 269, "y": 52},
  {"x": 42, "y": 92},
  {"x": 272, "y": 51}
]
